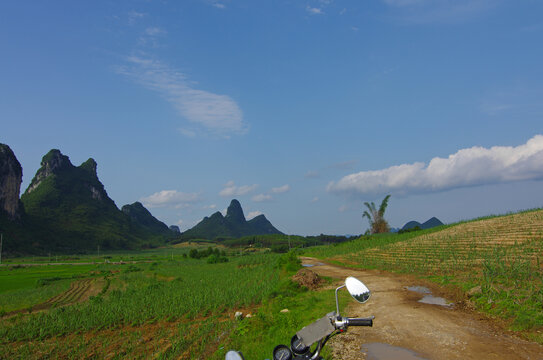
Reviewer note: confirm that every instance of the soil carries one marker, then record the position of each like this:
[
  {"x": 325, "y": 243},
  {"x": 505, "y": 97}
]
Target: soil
[{"x": 430, "y": 331}]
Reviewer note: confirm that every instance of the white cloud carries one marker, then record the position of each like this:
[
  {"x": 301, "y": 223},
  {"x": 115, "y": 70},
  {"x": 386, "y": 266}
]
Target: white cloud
[
  {"x": 314, "y": 10},
  {"x": 216, "y": 113},
  {"x": 253, "y": 214},
  {"x": 315, "y": 199},
  {"x": 219, "y": 6},
  {"x": 467, "y": 167},
  {"x": 170, "y": 198},
  {"x": 231, "y": 189},
  {"x": 280, "y": 189},
  {"x": 261, "y": 198}
]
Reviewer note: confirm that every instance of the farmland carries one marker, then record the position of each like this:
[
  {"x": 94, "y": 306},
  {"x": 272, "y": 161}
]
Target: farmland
[
  {"x": 180, "y": 308},
  {"x": 163, "y": 303},
  {"x": 499, "y": 259}
]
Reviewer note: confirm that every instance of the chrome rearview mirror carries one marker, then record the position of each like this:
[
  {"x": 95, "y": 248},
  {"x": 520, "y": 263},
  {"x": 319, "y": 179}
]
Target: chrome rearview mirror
[
  {"x": 233, "y": 355},
  {"x": 357, "y": 289}
]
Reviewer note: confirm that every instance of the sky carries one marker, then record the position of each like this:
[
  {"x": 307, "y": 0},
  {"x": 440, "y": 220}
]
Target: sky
[{"x": 301, "y": 109}]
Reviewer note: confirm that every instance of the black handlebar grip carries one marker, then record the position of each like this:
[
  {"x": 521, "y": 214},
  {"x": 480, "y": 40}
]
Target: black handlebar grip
[{"x": 360, "y": 321}]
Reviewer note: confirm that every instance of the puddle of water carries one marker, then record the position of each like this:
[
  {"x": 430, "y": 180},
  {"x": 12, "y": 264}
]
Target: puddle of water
[
  {"x": 311, "y": 265},
  {"x": 428, "y": 298},
  {"x": 434, "y": 300},
  {"x": 419, "y": 289},
  {"x": 380, "y": 351}
]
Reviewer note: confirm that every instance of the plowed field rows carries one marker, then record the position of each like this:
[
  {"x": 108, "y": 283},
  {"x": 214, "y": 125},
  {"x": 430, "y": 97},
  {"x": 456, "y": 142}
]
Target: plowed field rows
[
  {"x": 513, "y": 239},
  {"x": 78, "y": 291}
]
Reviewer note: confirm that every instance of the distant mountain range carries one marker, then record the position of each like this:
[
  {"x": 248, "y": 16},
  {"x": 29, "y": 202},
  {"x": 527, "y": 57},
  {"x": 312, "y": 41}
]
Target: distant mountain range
[
  {"x": 430, "y": 223},
  {"x": 67, "y": 209},
  {"x": 233, "y": 225}
]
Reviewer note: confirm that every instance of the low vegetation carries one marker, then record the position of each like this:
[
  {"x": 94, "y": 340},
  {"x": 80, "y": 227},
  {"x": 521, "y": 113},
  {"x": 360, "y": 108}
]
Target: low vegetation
[
  {"x": 179, "y": 302},
  {"x": 498, "y": 260}
]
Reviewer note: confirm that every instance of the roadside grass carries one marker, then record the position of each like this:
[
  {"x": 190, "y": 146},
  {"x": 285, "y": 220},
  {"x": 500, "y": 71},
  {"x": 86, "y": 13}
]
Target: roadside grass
[
  {"x": 174, "y": 309},
  {"x": 499, "y": 259}
]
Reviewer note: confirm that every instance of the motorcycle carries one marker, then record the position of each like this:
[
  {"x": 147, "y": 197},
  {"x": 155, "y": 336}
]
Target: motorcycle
[{"x": 321, "y": 330}]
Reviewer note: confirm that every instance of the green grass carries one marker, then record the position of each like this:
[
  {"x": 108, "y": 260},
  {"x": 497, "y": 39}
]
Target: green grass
[
  {"x": 168, "y": 290},
  {"x": 185, "y": 307},
  {"x": 20, "y": 278}
]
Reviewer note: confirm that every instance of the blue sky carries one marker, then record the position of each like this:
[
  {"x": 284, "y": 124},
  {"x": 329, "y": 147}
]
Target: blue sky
[{"x": 302, "y": 110}]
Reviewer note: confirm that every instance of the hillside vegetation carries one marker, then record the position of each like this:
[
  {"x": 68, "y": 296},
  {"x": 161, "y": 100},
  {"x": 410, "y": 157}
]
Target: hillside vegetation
[{"x": 498, "y": 260}]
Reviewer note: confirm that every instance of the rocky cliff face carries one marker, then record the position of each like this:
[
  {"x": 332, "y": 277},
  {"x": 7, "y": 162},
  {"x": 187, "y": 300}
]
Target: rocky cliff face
[
  {"x": 55, "y": 163},
  {"x": 11, "y": 176},
  {"x": 51, "y": 163}
]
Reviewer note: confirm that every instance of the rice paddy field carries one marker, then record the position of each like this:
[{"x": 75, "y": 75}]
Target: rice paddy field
[{"x": 497, "y": 260}]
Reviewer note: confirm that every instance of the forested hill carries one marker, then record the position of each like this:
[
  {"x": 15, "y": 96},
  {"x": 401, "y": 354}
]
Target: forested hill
[{"x": 233, "y": 225}]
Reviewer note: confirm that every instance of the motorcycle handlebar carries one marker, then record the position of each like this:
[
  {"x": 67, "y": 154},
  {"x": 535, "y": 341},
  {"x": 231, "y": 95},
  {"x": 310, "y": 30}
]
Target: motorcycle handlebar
[{"x": 359, "y": 321}]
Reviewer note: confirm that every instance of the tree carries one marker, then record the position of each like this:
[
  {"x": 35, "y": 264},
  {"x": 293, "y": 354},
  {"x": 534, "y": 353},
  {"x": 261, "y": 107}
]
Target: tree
[{"x": 375, "y": 216}]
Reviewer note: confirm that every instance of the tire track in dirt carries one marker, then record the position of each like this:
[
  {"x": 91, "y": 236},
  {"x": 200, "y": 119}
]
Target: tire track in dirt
[{"x": 432, "y": 331}]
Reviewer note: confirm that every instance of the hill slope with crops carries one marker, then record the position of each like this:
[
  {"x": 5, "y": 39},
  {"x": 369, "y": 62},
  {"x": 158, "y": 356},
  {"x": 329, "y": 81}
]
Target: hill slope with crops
[{"x": 498, "y": 261}]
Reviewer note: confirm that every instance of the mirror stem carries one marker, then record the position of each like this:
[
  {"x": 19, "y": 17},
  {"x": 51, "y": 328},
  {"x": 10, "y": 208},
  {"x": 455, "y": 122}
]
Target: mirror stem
[{"x": 337, "y": 302}]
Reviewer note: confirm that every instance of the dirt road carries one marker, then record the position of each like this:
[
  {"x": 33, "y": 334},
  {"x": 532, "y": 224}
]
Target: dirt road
[{"x": 418, "y": 330}]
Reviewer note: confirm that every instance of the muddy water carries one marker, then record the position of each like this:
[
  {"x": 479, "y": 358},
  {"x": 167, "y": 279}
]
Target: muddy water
[
  {"x": 311, "y": 265},
  {"x": 380, "y": 351},
  {"x": 428, "y": 298}
]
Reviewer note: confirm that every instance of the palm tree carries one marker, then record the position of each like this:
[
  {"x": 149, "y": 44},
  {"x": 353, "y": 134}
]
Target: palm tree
[{"x": 378, "y": 224}]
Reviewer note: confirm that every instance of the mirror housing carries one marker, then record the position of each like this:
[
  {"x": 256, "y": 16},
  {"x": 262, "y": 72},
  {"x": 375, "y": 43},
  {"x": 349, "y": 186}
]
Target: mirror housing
[
  {"x": 233, "y": 355},
  {"x": 357, "y": 289}
]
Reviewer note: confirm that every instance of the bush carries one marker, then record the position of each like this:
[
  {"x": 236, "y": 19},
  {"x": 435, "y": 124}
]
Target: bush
[{"x": 214, "y": 259}]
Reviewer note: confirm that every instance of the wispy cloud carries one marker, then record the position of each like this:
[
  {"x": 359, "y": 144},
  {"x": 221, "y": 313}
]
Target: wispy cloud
[
  {"x": 281, "y": 189},
  {"x": 171, "y": 198},
  {"x": 491, "y": 108},
  {"x": 219, "y": 6},
  {"x": 134, "y": 16},
  {"x": 439, "y": 11},
  {"x": 187, "y": 132},
  {"x": 154, "y": 31},
  {"x": 467, "y": 167},
  {"x": 262, "y": 198},
  {"x": 314, "y": 10},
  {"x": 231, "y": 189},
  {"x": 216, "y": 113}
]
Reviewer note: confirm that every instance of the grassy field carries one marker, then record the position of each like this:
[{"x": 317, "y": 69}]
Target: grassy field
[
  {"x": 181, "y": 308},
  {"x": 499, "y": 259}
]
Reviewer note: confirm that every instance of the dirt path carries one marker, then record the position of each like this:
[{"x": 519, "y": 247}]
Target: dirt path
[{"x": 428, "y": 331}]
